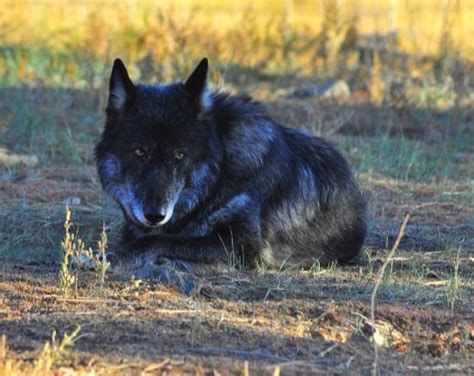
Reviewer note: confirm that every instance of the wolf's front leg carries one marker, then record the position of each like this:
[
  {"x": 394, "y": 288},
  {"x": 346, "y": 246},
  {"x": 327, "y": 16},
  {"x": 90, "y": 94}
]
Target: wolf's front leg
[
  {"x": 170, "y": 260},
  {"x": 174, "y": 260},
  {"x": 209, "y": 249}
]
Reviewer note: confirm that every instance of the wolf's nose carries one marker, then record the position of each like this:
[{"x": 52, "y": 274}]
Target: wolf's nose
[{"x": 154, "y": 218}]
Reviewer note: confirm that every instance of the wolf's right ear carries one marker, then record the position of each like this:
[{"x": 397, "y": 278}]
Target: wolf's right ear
[
  {"x": 196, "y": 86},
  {"x": 121, "y": 88}
]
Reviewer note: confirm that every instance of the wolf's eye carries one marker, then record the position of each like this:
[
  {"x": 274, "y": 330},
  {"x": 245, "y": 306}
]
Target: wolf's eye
[
  {"x": 139, "y": 152},
  {"x": 179, "y": 155}
]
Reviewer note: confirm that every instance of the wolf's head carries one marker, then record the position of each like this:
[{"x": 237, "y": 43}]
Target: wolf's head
[{"x": 154, "y": 137}]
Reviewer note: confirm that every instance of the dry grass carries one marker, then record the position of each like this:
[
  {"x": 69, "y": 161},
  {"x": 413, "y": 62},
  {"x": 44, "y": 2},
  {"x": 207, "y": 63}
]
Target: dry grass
[
  {"x": 75, "y": 256},
  {"x": 405, "y": 125},
  {"x": 50, "y": 356},
  {"x": 308, "y": 324}
]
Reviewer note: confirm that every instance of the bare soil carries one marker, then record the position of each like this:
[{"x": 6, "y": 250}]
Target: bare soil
[{"x": 291, "y": 321}]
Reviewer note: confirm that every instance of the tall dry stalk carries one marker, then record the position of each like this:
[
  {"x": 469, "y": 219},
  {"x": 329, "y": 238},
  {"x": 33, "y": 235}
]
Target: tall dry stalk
[{"x": 380, "y": 275}]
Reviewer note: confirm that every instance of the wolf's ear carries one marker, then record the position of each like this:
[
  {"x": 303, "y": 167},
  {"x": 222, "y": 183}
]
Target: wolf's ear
[
  {"x": 196, "y": 86},
  {"x": 121, "y": 88}
]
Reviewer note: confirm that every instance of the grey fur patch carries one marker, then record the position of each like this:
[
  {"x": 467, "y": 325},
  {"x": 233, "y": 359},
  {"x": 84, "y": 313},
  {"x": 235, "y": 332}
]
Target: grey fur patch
[
  {"x": 170, "y": 272},
  {"x": 257, "y": 138},
  {"x": 192, "y": 195}
]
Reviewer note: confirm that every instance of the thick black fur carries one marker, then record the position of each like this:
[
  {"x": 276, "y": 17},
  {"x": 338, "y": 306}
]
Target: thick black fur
[{"x": 206, "y": 177}]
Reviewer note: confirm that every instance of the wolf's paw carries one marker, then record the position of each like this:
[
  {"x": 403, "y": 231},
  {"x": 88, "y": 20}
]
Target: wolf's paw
[
  {"x": 168, "y": 274},
  {"x": 179, "y": 265}
]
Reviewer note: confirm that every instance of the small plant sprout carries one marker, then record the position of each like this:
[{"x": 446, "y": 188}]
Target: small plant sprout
[
  {"x": 76, "y": 257},
  {"x": 318, "y": 269},
  {"x": 370, "y": 264},
  {"x": 53, "y": 351},
  {"x": 66, "y": 277},
  {"x": 101, "y": 259},
  {"x": 234, "y": 260},
  {"x": 315, "y": 268},
  {"x": 454, "y": 284}
]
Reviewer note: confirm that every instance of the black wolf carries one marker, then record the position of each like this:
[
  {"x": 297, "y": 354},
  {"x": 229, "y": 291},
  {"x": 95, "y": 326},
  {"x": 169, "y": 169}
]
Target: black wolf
[{"x": 202, "y": 176}]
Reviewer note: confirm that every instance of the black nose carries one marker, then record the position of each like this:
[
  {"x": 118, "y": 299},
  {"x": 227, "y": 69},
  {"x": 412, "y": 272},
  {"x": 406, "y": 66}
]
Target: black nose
[{"x": 154, "y": 217}]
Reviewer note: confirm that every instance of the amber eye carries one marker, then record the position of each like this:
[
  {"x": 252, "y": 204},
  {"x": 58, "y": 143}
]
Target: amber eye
[
  {"x": 139, "y": 152},
  {"x": 179, "y": 156}
]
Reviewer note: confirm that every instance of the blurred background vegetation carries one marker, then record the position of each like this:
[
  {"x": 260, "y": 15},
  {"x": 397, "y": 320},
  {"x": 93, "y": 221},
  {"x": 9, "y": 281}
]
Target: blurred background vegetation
[
  {"x": 401, "y": 66},
  {"x": 71, "y": 43}
]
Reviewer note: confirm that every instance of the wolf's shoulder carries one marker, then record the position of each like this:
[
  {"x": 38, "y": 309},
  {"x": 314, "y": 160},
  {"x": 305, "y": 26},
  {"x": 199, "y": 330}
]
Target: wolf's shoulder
[
  {"x": 231, "y": 110},
  {"x": 246, "y": 131}
]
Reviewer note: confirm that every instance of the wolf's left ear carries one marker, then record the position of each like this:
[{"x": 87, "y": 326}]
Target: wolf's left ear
[
  {"x": 121, "y": 88},
  {"x": 196, "y": 86}
]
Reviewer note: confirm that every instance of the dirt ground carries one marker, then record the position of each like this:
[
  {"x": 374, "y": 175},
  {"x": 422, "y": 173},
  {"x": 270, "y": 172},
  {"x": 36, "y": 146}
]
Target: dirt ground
[
  {"x": 132, "y": 328},
  {"x": 295, "y": 322},
  {"x": 262, "y": 322},
  {"x": 256, "y": 322}
]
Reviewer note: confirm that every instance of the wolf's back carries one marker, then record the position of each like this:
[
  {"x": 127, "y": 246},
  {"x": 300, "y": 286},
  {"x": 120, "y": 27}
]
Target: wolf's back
[{"x": 309, "y": 205}]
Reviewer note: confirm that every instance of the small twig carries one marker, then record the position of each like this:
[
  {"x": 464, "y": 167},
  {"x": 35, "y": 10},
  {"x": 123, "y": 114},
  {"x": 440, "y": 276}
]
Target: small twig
[
  {"x": 292, "y": 363},
  {"x": 349, "y": 361},
  {"x": 238, "y": 352},
  {"x": 328, "y": 350},
  {"x": 339, "y": 122},
  {"x": 83, "y": 300},
  {"x": 74, "y": 313},
  {"x": 440, "y": 367},
  {"x": 377, "y": 284},
  {"x": 156, "y": 366}
]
